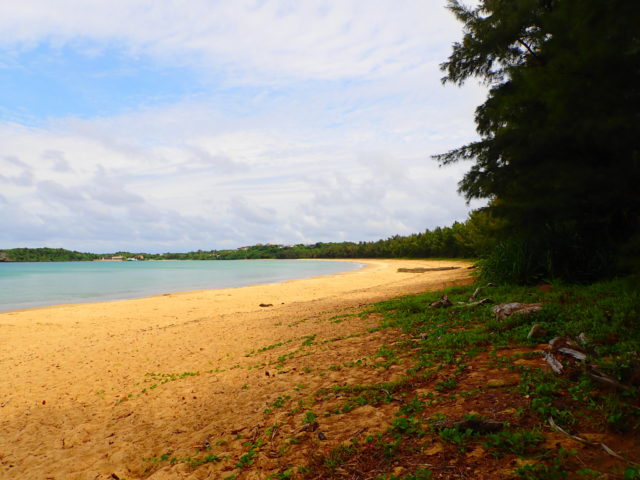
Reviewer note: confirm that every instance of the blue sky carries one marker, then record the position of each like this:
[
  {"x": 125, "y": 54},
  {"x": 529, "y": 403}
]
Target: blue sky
[
  {"x": 171, "y": 126},
  {"x": 45, "y": 82}
]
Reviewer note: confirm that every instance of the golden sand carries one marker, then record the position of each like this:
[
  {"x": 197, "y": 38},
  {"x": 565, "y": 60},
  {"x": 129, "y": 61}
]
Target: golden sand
[{"x": 96, "y": 391}]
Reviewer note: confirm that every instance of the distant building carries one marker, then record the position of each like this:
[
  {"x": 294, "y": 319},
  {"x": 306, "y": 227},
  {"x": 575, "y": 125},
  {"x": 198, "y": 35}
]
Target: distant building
[{"x": 114, "y": 258}]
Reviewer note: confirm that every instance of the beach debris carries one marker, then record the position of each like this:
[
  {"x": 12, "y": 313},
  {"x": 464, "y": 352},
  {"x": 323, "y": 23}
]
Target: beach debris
[
  {"x": 472, "y": 302},
  {"x": 321, "y": 436},
  {"x": 442, "y": 303},
  {"x": 483, "y": 301},
  {"x": 573, "y": 353},
  {"x": 204, "y": 445},
  {"x": 559, "y": 429},
  {"x": 553, "y": 362},
  {"x": 557, "y": 343},
  {"x": 423, "y": 270},
  {"x": 505, "y": 310},
  {"x": 255, "y": 432},
  {"x": 266, "y": 373},
  {"x": 5, "y": 403},
  {"x": 310, "y": 427},
  {"x": 605, "y": 379},
  {"x": 566, "y": 347},
  {"x": 537, "y": 331},
  {"x": 263, "y": 305}
]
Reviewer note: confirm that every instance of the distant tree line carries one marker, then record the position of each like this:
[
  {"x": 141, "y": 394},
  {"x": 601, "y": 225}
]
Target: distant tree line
[
  {"x": 44, "y": 255},
  {"x": 468, "y": 239},
  {"x": 451, "y": 242}
]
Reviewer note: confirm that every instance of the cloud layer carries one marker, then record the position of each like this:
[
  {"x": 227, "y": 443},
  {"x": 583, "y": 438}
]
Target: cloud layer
[{"x": 301, "y": 122}]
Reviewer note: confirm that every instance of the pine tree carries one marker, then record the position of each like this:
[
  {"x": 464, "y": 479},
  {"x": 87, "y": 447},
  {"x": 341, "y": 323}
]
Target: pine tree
[{"x": 559, "y": 148}]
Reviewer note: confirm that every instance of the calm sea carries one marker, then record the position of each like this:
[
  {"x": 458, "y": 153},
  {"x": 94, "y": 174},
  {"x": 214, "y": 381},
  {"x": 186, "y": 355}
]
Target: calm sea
[{"x": 25, "y": 285}]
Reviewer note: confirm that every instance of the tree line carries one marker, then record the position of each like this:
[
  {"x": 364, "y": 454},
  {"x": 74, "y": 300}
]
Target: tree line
[
  {"x": 461, "y": 240},
  {"x": 44, "y": 254},
  {"x": 559, "y": 150}
]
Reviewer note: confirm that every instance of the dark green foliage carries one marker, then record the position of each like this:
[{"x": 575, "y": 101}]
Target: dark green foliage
[
  {"x": 420, "y": 474},
  {"x": 559, "y": 153},
  {"x": 519, "y": 443},
  {"x": 605, "y": 312},
  {"x": 631, "y": 473},
  {"x": 44, "y": 255},
  {"x": 541, "y": 472},
  {"x": 461, "y": 240}
]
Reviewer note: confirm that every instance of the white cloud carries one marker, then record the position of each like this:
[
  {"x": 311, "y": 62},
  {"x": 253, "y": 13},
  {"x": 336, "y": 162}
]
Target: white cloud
[
  {"x": 279, "y": 39},
  {"x": 320, "y": 129}
]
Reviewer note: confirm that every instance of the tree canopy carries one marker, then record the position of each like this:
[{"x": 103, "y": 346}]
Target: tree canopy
[{"x": 559, "y": 148}]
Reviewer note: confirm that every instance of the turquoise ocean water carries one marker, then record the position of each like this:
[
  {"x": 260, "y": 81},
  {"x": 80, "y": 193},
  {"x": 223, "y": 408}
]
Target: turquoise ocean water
[{"x": 26, "y": 285}]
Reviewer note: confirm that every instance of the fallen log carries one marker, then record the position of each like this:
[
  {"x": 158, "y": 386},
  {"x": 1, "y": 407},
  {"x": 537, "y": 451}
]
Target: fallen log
[
  {"x": 423, "y": 269},
  {"x": 515, "y": 308}
]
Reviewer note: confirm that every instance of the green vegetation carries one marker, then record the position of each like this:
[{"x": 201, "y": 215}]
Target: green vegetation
[
  {"x": 448, "y": 392},
  {"x": 459, "y": 240},
  {"x": 193, "y": 462},
  {"x": 559, "y": 155},
  {"x": 450, "y": 344},
  {"x": 520, "y": 443},
  {"x": 44, "y": 255}
]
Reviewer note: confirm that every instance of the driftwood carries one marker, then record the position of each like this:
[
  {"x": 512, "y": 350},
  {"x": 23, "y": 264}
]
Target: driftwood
[
  {"x": 442, "y": 303},
  {"x": 484, "y": 301},
  {"x": 573, "y": 353},
  {"x": 474, "y": 294},
  {"x": 605, "y": 379},
  {"x": 558, "y": 429},
  {"x": 556, "y": 343},
  {"x": 553, "y": 362},
  {"x": 423, "y": 270},
  {"x": 309, "y": 427},
  {"x": 505, "y": 310}
]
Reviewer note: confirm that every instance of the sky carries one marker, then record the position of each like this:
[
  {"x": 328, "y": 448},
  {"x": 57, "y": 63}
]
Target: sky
[{"x": 178, "y": 125}]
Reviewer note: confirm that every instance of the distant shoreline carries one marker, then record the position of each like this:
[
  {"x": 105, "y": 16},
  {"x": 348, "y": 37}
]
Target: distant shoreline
[{"x": 28, "y": 285}]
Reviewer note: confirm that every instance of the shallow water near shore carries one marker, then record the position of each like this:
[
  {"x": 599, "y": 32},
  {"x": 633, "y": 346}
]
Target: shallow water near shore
[{"x": 27, "y": 285}]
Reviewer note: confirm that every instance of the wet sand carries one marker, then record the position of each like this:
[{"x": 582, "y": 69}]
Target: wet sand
[{"x": 90, "y": 391}]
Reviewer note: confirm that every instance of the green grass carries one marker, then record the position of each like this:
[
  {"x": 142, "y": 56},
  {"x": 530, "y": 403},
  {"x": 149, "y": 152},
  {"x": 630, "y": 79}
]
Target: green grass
[{"x": 444, "y": 343}]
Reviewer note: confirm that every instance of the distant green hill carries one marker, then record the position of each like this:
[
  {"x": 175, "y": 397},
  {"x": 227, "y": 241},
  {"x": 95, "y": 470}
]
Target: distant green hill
[{"x": 44, "y": 255}]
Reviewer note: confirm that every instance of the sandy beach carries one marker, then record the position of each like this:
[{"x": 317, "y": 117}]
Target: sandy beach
[{"x": 103, "y": 390}]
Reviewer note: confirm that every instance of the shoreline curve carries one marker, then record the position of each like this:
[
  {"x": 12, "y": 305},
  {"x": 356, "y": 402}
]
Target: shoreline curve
[{"x": 84, "y": 396}]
